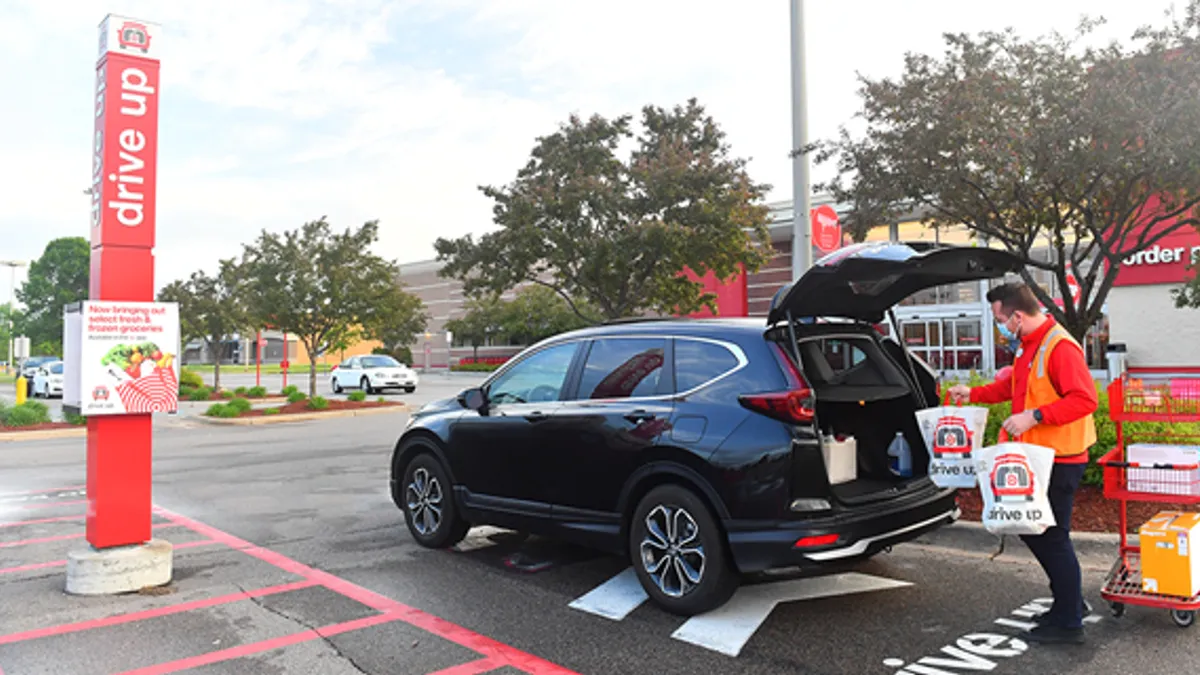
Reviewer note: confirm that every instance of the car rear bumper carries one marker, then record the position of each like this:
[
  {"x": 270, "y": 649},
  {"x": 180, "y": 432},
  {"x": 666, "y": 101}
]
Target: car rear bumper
[{"x": 757, "y": 547}]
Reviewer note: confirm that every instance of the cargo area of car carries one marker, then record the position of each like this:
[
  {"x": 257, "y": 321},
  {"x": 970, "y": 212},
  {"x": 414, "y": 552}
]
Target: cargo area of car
[{"x": 863, "y": 392}]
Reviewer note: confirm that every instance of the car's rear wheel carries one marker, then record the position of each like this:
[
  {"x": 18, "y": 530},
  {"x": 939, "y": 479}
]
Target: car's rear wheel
[
  {"x": 337, "y": 387},
  {"x": 679, "y": 553},
  {"x": 428, "y": 504}
]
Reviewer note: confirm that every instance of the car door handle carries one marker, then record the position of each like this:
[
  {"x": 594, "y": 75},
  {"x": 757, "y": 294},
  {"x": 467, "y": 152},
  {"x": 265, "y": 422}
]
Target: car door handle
[
  {"x": 537, "y": 416},
  {"x": 639, "y": 416}
]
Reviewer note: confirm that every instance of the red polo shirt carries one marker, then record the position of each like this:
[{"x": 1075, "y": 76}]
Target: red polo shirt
[{"x": 1069, "y": 374}]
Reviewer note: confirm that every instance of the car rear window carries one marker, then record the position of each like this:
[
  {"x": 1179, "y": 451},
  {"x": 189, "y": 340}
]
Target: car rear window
[
  {"x": 623, "y": 368},
  {"x": 698, "y": 363}
]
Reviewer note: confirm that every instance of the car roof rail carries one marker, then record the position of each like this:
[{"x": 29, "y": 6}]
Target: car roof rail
[{"x": 641, "y": 319}]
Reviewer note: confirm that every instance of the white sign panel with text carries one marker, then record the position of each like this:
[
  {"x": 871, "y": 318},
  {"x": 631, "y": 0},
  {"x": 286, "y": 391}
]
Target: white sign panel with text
[{"x": 128, "y": 357}]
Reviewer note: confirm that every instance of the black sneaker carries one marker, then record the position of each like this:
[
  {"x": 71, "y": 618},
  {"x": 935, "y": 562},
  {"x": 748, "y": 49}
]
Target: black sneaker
[
  {"x": 1043, "y": 618},
  {"x": 1051, "y": 635}
]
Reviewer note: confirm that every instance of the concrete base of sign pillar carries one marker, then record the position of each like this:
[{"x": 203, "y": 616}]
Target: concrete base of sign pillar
[{"x": 122, "y": 569}]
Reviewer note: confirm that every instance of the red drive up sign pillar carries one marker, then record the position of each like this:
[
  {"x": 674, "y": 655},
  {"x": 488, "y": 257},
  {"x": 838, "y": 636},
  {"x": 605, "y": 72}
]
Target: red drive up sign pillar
[{"x": 124, "y": 158}]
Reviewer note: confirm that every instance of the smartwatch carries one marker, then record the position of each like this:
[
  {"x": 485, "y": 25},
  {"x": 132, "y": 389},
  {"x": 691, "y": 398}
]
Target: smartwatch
[{"x": 1037, "y": 415}]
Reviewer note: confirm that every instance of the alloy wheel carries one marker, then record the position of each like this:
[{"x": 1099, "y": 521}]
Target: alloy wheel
[
  {"x": 671, "y": 551},
  {"x": 424, "y": 498}
]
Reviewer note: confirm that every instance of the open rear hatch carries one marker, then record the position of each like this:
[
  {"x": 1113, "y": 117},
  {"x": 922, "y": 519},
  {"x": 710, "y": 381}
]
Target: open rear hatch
[
  {"x": 864, "y": 281},
  {"x": 878, "y": 397}
]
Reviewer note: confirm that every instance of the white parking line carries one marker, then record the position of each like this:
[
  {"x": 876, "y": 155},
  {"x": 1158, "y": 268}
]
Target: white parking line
[
  {"x": 728, "y": 628},
  {"x": 615, "y": 598}
]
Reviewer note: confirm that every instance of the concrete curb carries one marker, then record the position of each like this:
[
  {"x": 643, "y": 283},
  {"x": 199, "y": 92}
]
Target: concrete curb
[
  {"x": 301, "y": 417},
  {"x": 42, "y": 434},
  {"x": 971, "y": 536}
]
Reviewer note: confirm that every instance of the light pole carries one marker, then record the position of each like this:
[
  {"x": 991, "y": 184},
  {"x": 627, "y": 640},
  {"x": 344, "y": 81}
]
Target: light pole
[
  {"x": 801, "y": 210},
  {"x": 12, "y": 288}
]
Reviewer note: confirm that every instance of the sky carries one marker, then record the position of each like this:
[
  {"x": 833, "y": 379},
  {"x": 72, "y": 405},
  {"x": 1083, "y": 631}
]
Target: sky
[{"x": 277, "y": 112}]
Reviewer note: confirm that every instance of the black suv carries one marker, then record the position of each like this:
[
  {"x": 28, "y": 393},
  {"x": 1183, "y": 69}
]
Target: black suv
[{"x": 697, "y": 447}]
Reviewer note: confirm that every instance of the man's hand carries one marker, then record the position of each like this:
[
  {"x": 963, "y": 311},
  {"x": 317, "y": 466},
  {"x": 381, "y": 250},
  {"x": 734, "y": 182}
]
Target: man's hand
[
  {"x": 960, "y": 393},
  {"x": 1018, "y": 424}
]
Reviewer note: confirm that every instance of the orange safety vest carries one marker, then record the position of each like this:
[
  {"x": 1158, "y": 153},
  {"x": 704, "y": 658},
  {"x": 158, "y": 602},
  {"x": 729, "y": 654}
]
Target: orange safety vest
[{"x": 1068, "y": 440}]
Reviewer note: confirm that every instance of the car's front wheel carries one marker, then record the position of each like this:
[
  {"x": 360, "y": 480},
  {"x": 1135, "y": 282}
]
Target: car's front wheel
[
  {"x": 428, "y": 504},
  {"x": 365, "y": 385},
  {"x": 679, "y": 552}
]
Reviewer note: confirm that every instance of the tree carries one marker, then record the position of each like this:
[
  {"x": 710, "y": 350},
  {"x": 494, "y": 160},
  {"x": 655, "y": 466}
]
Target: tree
[
  {"x": 616, "y": 232},
  {"x": 319, "y": 285},
  {"x": 395, "y": 317},
  {"x": 211, "y": 308},
  {"x": 537, "y": 313},
  {"x": 484, "y": 318},
  {"x": 58, "y": 278},
  {"x": 1025, "y": 141}
]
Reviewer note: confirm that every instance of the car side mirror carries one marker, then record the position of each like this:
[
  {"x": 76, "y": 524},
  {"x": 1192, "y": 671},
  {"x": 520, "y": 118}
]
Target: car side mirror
[{"x": 473, "y": 399}]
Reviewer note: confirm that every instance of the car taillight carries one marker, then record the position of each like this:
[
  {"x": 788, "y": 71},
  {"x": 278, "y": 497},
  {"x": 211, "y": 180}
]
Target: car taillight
[
  {"x": 819, "y": 540},
  {"x": 796, "y": 405}
]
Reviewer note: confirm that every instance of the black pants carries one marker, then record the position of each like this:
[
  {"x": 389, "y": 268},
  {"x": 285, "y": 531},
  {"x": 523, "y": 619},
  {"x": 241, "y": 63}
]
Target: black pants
[{"x": 1053, "y": 548}]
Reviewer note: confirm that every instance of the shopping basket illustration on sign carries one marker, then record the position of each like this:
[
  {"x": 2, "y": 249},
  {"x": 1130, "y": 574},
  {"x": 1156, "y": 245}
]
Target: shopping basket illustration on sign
[
  {"x": 1012, "y": 479},
  {"x": 951, "y": 437}
]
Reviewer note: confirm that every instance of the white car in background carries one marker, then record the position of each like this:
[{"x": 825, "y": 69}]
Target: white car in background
[
  {"x": 48, "y": 380},
  {"x": 372, "y": 373}
]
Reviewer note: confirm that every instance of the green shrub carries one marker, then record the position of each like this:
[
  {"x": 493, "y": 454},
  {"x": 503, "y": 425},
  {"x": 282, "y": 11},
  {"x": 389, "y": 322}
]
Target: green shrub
[
  {"x": 240, "y": 391},
  {"x": 221, "y": 410},
  {"x": 289, "y": 390},
  {"x": 241, "y": 405},
  {"x": 357, "y": 396},
  {"x": 27, "y": 414},
  {"x": 476, "y": 367},
  {"x": 72, "y": 418},
  {"x": 296, "y": 397},
  {"x": 190, "y": 379},
  {"x": 201, "y": 394},
  {"x": 318, "y": 403},
  {"x": 271, "y": 411},
  {"x": 381, "y": 399},
  {"x": 257, "y": 392},
  {"x": 186, "y": 392},
  {"x": 225, "y": 394}
]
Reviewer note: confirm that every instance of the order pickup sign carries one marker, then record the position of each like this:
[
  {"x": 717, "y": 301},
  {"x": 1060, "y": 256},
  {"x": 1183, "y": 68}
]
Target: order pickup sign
[{"x": 121, "y": 357}]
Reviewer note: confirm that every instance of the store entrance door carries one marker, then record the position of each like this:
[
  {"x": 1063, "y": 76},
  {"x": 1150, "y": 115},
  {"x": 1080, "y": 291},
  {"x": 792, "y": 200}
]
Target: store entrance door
[{"x": 951, "y": 344}]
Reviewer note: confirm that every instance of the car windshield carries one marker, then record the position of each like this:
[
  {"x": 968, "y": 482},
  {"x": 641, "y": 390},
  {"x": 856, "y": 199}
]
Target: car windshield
[
  {"x": 379, "y": 362},
  {"x": 56, "y": 369}
]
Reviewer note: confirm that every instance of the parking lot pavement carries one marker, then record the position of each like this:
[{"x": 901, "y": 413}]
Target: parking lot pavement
[{"x": 292, "y": 559}]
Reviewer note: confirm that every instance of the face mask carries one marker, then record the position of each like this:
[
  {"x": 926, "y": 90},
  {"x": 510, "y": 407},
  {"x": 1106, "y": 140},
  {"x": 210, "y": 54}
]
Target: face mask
[{"x": 1011, "y": 339}]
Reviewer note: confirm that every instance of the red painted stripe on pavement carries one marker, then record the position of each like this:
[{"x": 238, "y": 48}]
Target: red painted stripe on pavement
[
  {"x": 34, "y": 566},
  {"x": 50, "y": 505},
  {"x": 64, "y": 537},
  {"x": 61, "y": 563},
  {"x": 259, "y": 647},
  {"x": 39, "y": 521},
  {"x": 494, "y": 649},
  {"x": 470, "y": 668},
  {"x": 43, "y": 491},
  {"x": 155, "y": 613}
]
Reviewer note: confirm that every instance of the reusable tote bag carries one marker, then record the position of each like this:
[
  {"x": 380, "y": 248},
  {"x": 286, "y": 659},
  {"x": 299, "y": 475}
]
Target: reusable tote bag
[
  {"x": 953, "y": 434},
  {"x": 1013, "y": 481}
]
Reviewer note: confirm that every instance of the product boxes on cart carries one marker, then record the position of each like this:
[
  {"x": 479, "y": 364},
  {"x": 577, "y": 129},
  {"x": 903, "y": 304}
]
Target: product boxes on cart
[
  {"x": 1170, "y": 563},
  {"x": 1145, "y": 478}
]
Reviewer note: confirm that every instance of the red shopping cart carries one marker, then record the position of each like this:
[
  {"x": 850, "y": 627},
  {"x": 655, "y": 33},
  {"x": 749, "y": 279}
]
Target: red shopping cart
[{"x": 1169, "y": 401}]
